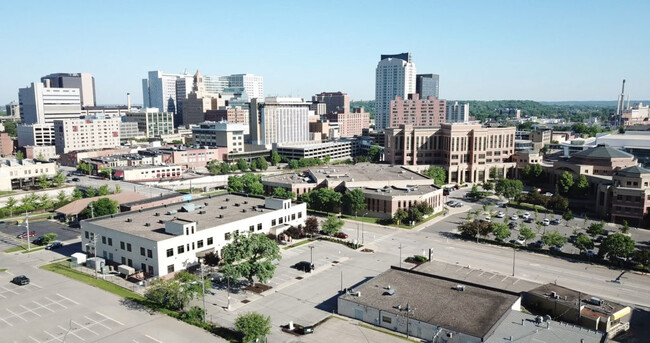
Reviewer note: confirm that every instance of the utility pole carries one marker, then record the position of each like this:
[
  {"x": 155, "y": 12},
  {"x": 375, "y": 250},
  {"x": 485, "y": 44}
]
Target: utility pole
[
  {"x": 514, "y": 252},
  {"x": 92, "y": 210},
  {"x": 94, "y": 241},
  {"x": 400, "y": 254},
  {"x": 311, "y": 257},
  {"x": 205, "y": 314}
]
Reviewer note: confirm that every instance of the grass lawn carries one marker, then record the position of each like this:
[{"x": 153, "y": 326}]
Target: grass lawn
[
  {"x": 221, "y": 191},
  {"x": 23, "y": 248},
  {"x": 3, "y": 193},
  {"x": 32, "y": 216},
  {"x": 378, "y": 221},
  {"x": 2, "y": 270},
  {"x": 297, "y": 244}
]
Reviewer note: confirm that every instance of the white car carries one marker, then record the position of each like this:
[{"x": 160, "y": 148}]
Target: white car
[
  {"x": 500, "y": 215},
  {"x": 546, "y": 222},
  {"x": 525, "y": 215},
  {"x": 487, "y": 218},
  {"x": 520, "y": 241},
  {"x": 514, "y": 217}
]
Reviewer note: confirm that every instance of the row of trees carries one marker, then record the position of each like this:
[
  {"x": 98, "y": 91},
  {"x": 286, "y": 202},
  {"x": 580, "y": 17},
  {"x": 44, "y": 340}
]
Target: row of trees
[
  {"x": 555, "y": 202},
  {"x": 308, "y": 162},
  {"x": 219, "y": 168},
  {"x": 248, "y": 183},
  {"x": 414, "y": 214},
  {"x": 568, "y": 185},
  {"x": 438, "y": 174}
]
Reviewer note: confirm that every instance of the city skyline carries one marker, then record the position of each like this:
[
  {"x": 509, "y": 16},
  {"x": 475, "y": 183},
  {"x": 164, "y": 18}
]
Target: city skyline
[{"x": 481, "y": 51}]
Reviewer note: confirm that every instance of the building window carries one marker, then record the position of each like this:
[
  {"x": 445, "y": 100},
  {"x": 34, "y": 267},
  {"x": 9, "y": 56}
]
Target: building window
[
  {"x": 170, "y": 252},
  {"x": 387, "y": 320},
  {"x": 281, "y": 220},
  {"x": 121, "y": 245},
  {"x": 170, "y": 268},
  {"x": 299, "y": 214},
  {"x": 293, "y": 216},
  {"x": 181, "y": 249},
  {"x": 149, "y": 253},
  {"x": 251, "y": 228},
  {"x": 128, "y": 247},
  {"x": 227, "y": 236},
  {"x": 273, "y": 222},
  {"x": 103, "y": 239},
  {"x": 142, "y": 251},
  {"x": 259, "y": 227},
  {"x": 209, "y": 240},
  {"x": 86, "y": 234},
  {"x": 199, "y": 244},
  {"x": 110, "y": 241},
  {"x": 123, "y": 260}
]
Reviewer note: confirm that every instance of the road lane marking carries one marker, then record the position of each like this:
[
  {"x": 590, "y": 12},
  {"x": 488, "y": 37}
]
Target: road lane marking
[
  {"x": 109, "y": 318},
  {"x": 153, "y": 339},
  {"x": 66, "y": 298}
]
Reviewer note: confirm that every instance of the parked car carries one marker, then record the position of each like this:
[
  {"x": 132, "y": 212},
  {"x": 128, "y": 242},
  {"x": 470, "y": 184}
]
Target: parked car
[
  {"x": 558, "y": 249},
  {"x": 487, "y": 219},
  {"x": 538, "y": 244},
  {"x": 21, "y": 280},
  {"x": 54, "y": 245},
  {"x": 514, "y": 217},
  {"x": 526, "y": 215},
  {"x": 546, "y": 222},
  {"x": 529, "y": 220},
  {"x": 500, "y": 214},
  {"x": 451, "y": 203},
  {"x": 513, "y": 225},
  {"x": 556, "y": 221},
  {"x": 457, "y": 204},
  {"x": 25, "y": 234},
  {"x": 304, "y": 266},
  {"x": 599, "y": 239},
  {"x": 75, "y": 179},
  {"x": 342, "y": 235},
  {"x": 520, "y": 241}
]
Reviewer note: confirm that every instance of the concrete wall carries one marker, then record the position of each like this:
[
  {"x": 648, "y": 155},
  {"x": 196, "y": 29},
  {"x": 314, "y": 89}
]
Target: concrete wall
[{"x": 52, "y": 193}]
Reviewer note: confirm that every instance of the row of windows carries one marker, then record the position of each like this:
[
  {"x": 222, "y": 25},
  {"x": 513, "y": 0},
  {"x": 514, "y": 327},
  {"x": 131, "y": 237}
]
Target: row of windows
[{"x": 190, "y": 246}]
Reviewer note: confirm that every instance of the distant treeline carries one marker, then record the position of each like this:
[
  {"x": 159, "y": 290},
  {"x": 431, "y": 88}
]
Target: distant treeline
[{"x": 368, "y": 105}]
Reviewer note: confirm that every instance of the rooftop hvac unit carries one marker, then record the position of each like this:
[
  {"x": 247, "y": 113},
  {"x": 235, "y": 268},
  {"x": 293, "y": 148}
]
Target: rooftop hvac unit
[
  {"x": 129, "y": 220},
  {"x": 220, "y": 216},
  {"x": 245, "y": 202},
  {"x": 460, "y": 288},
  {"x": 157, "y": 214},
  {"x": 172, "y": 212},
  {"x": 160, "y": 221},
  {"x": 243, "y": 210},
  {"x": 147, "y": 224},
  {"x": 227, "y": 199},
  {"x": 237, "y": 204},
  {"x": 201, "y": 212}
]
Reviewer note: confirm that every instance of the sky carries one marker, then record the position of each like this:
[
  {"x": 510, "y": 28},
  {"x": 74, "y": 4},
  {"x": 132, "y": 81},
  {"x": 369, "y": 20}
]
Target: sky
[{"x": 482, "y": 50}]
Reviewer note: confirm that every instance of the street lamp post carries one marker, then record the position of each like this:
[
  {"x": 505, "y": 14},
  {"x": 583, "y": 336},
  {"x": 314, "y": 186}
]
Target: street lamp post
[
  {"x": 311, "y": 257},
  {"x": 514, "y": 254},
  {"x": 205, "y": 314},
  {"x": 362, "y": 235},
  {"x": 400, "y": 254}
]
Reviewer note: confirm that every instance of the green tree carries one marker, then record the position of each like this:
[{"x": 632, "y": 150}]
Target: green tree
[
  {"x": 508, "y": 188},
  {"x": 565, "y": 182},
  {"x": 58, "y": 179},
  {"x": 327, "y": 159},
  {"x": 262, "y": 164},
  {"x": 293, "y": 164},
  {"x": 91, "y": 192},
  {"x": 242, "y": 165},
  {"x": 374, "y": 154},
  {"x": 77, "y": 194},
  {"x": 469, "y": 229},
  {"x": 275, "y": 158},
  {"x": 61, "y": 197},
  {"x": 488, "y": 186},
  {"x": 581, "y": 188},
  {"x": 324, "y": 199},
  {"x": 253, "y": 326},
  {"x": 176, "y": 293},
  {"x": 332, "y": 225},
  {"x": 100, "y": 207},
  {"x": 118, "y": 189},
  {"x": 235, "y": 184},
  {"x": 625, "y": 228},
  {"x": 355, "y": 200},
  {"x": 103, "y": 190},
  {"x": 43, "y": 182},
  {"x": 253, "y": 166},
  {"x": 643, "y": 257},
  {"x": 617, "y": 245},
  {"x": 501, "y": 231},
  {"x": 249, "y": 257},
  {"x": 438, "y": 174},
  {"x": 44, "y": 201},
  {"x": 583, "y": 242},
  {"x": 20, "y": 155},
  {"x": 280, "y": 192},
  {"x": 399, "y": 216},
  {"x": 11, "y": 128},
  {"x": 48, "y": 238},
  {"x": 568, "y": 215},
  {"x": 11, "y": 205},
  {"x": 553, "y": 239},
  {"x": 596, "y": 229},
  {"x": 526, "y": 233}
]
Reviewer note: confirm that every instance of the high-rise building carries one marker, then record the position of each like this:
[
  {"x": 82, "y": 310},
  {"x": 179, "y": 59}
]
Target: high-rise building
[
  {"x": 198, "y": 102},
  {"x": 40, "y": 104},
  {"x": 221, "y": 134},
  {"x": 457, "y": 113},
  {"x": 183, "y": 89},
  {"x": 215, "y": 84},
  {"x": 427, "y": 85},
  {"x": 85, "y": 82},
  {"x": 231, "y": 114},
  {"x": 13, "y": 110},
  {"x": 35, "y": 134},
  {"x": 160, "y": 91},
  {"x": 254, "y": 84},
  {"x": 417, "y": 112},
  {"x": 278, "y": 120},
  {"x": 351, "y": 123},
  {"x": 338, "y": 102},
  {"x": 395, "y": 76},
  {"x": 152, "y": 121},
  {"x": 6, "y": 145},
  {"x": 89, "y": 133}
]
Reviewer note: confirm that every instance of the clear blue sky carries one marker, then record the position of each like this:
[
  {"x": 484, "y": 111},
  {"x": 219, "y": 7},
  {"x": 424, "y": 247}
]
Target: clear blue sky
[{"x": 540, "y": 50}]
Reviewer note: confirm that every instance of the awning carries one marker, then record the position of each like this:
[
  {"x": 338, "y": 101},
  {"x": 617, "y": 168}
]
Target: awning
[{"x": 201, "y": 254}]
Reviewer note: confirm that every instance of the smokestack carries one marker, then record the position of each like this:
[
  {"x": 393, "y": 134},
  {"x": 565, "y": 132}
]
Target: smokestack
[{"x": 128, "y": 101}]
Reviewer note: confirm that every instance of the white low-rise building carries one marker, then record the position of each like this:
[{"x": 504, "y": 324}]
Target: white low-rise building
[
  {"x": 148, "y": 172},
  {"x": 16, "y": 174},
  {"x": 170, "y": 238}
]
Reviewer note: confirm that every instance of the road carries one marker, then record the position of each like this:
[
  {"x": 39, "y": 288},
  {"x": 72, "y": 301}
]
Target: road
[{"x": 86, "y": 181}]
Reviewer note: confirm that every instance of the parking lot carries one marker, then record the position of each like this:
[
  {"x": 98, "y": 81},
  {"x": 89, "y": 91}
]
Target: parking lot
[
  {"x": 64, "y": 233},
  {"x": 53, "y": 308}
]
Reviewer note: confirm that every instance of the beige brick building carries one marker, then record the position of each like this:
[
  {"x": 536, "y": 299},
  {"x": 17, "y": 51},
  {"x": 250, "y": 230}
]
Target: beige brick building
[
  {"x": 92, "y": 133},
  {"x": 417, "y": 112},
  {"x": 16, "y": 174},
  {"x": 466, "y": 151},
  {"x": 351, "y": 123}
]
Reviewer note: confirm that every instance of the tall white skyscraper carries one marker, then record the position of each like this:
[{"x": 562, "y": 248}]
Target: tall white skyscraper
[
  {"x": 161, "y": 90},
  {"x": 457, "y": 113},
  {"x": 395, "y": 76},
  {"x": 40, "y": 104},
  {"x": 253, "y": 84},
  {"x": 83, "y": 81},
  {"x": 279, "y": 120}
]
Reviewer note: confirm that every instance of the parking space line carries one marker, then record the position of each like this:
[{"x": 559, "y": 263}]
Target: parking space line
[
  {"x": 4, "y": 320},
  {"x": 134, "y": 341},
  {"x": 109, "y": 318},
  {"x": 71, "y": 331},
  {"x": 53, "y": 337},
  {"x": 29, "y": 310},
  {"x": 95, "y": 322},
  {"x": 10, "y": 273},
  {"x": 37, "y": 341},
  {"x": 153, "y": 339},
  {"x": 33, "y": 284},
  {"x": 10, "y": 290},
  {"x": 45, "y": 306},
  {"x": 66, "y": 298},
  {"x": 87, "y": 326},
  {"x": 504, "y": 279},
  {"x": 16, "y": 314},
  {"x": 2, "y": 296}
]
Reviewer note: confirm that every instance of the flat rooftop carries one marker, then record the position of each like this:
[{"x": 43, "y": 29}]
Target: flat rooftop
[
  {"x": 573, "y": 297},
  {"x": 293, "y": 178},
  {"x": 206, "y": 214},
  {"x": 435, "y": 300},
  {"x": 365, "y": 172},
  {"x": 476, "y": 276},
  {"x": 522, "y": 327},
  {"x": 397, "y": 191}
]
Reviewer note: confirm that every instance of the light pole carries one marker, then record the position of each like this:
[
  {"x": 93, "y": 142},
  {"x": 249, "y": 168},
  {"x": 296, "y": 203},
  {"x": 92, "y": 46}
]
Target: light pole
[
  {"x": 514, "y": 253},
  {"x": 27, "y": 229},
  {"x": 92, "y": 210},
  {"x": 408, "y": 312},
  {"x": 205, "y": 314},
  {"x": 400, "y": 254},
  {"x": 311, "y": 257},
  {"x": 362, "y": 235}
]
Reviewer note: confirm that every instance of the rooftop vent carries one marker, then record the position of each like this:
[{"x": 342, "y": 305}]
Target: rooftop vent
[
  {"x": 157, "y": 214},
  {"x": 112, "y": 216},
  {"x": 227, "y": 199},
  {"x": 223, "y": 207},
  {"x": 160, "y": 221},
  {"x": 237, "y": 204},
  {"x": 140, "y": 210},
  {"x": 244, "y": 210},
  {"x": 147, "y": 224},
  {"x": 129, "y": 220},
  {"x": 460, "y": 288},
  {"x": 205, "y": 204},
  {"x": 201, "y": 212},
  {"x": 220, "y": 216},
  {"x": 172, "y": 212},
  {"x": 165, "y": 205},
  {"x": 245, "y": 202}
]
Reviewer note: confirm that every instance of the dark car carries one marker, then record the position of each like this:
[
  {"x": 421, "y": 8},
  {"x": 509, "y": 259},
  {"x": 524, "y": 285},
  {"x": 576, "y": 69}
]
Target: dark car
[
  {"x": 25, "y": 234},
  {"x": 342, "y": 235},
  {"x": 21, "y": 280},
  {"x": 54, "y": 245},
  {"x": 304, "y": 266},
  {"x": 75, "y": 179}
]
